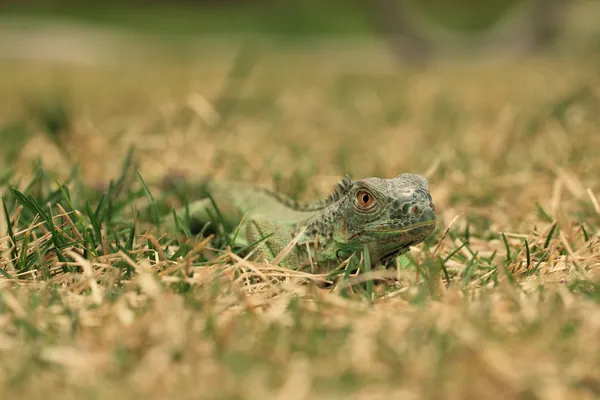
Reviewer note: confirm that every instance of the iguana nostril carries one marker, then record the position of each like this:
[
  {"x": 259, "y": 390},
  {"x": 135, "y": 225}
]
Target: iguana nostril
[{"x": 415, "y": 210}]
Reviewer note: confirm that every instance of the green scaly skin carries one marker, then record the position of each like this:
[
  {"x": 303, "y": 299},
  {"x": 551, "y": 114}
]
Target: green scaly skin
[{"x": 386, "y": 215}]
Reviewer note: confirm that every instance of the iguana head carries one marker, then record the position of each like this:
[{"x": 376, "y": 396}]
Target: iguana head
[{"x": 389, "y": 215}]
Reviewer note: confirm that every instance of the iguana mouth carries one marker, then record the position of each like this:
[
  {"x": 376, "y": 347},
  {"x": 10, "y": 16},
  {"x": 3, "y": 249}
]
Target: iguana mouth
[
  {"x": 400, "y": 226},
  {"x": 386, "y": 229}
]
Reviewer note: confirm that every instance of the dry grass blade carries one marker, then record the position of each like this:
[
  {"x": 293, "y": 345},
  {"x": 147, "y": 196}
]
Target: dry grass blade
[
  {"x": 89, "y": 276},
  {"x": 594, "y": 200},
  {"x": 286, "y": 250},
  {"x": 437, "y": 247}
]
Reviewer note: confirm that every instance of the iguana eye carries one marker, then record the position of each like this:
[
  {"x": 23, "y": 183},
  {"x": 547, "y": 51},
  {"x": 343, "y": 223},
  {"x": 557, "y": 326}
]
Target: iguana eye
[{"x": 365, "y": 199}]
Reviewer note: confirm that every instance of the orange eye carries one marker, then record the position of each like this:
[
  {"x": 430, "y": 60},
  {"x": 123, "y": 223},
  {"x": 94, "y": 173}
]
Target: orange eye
[{"x": 365, "y": 199}]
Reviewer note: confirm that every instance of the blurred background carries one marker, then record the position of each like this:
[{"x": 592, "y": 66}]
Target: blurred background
[
  {"x": 414, "y": 29},
  {"x": 305, "y": 86}
]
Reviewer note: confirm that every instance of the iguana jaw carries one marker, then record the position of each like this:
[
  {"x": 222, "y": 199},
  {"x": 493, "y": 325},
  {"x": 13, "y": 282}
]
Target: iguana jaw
[
  {"x": 390, "y": 238},
  {"x": 423, "y": 226},
  {"x": 386, "y": 243},
  {"x": 387, "y": 230},
  {"x": 400, "y": 237}
]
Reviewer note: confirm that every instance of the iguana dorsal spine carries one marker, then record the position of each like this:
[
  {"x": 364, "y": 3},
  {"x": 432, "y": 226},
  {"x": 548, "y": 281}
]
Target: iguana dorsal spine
[{"x": 341, "y": 189}]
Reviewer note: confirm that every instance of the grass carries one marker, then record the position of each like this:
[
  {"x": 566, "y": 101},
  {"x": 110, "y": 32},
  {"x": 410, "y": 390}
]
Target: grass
[{"x": 501, "y": 302}]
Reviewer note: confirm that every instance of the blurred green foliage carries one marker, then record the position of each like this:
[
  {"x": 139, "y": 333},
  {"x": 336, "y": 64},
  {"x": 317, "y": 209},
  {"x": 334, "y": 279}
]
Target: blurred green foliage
[
  {"x": 292, "y": 17},
  {"x": 464, "y": 14}
]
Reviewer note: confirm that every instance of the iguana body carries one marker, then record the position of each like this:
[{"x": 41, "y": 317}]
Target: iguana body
[{"x": 387, "y": 215}]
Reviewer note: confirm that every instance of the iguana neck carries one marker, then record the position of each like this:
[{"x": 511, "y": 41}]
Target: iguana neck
[
  {"x": 328, "y": 227},
  {"x": 321, "y": 224},
  {"x": 325, "y": 214}
]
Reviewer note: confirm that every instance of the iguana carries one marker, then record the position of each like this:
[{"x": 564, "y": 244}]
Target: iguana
[{"x": 387, "y": 215}]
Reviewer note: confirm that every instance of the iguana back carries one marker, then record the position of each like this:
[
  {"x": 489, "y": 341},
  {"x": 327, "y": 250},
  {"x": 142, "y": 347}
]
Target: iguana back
[{"x": 235, "y": 199}]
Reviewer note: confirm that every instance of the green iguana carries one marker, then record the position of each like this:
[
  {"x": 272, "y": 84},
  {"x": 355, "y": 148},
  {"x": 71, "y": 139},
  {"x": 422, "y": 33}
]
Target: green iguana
[{"x": 387, "y": 215}]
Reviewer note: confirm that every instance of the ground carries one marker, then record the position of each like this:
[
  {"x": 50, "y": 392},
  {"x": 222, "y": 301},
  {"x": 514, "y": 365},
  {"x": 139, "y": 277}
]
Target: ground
[{"x": 502, "y": 301}]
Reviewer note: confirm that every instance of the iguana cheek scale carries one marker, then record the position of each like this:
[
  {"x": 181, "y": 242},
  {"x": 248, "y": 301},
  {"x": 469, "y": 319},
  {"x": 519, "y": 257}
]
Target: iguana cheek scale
[{"x": 386, "y": 215}]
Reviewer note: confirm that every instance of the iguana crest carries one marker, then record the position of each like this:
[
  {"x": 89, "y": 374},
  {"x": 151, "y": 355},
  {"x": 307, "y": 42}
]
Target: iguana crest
[{"x": 340, "y": 190}]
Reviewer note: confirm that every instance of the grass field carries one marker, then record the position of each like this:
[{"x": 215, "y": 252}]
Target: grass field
[{"x": 503, "y": 302}]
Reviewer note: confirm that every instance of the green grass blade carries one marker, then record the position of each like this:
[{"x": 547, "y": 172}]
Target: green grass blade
[
  {"x": 221, "y": 219},
  {"x": 549, "y": 237},
  {"x": 527, "y": 253},
  {"x": 543, "y": 213},
  {"x": 11, "y": 235},
  {"x": 153, "y": 207},
  {"x": 508, "y": 254},
  {"x": 130, "y": 237},
  {"x": 368, "y": 269}
]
